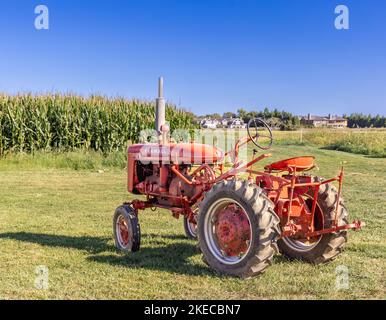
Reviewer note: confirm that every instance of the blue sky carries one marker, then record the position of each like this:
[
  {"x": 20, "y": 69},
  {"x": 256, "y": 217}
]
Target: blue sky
[{"x": 215, "y": 55}]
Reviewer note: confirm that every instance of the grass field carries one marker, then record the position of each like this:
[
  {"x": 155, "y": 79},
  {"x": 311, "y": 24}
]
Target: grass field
[
  {"x": 53, "y": 215},
  {"x": 370, "y": 142}
]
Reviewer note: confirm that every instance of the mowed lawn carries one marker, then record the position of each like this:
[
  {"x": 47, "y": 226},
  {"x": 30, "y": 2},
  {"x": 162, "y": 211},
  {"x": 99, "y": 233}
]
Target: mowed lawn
[{"x": 62, "y": 219}]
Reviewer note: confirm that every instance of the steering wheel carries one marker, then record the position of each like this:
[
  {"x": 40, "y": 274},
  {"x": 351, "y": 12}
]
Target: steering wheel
[{"x": 264, "y": 135}]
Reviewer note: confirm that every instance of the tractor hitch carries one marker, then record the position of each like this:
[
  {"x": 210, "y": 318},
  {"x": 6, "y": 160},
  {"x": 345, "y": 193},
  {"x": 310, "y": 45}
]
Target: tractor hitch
[{"x": 356, "y": 226}]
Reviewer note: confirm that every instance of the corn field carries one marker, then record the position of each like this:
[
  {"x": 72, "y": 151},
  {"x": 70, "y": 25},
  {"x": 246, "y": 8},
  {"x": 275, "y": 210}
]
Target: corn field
[{"x": 69, "y": 122}]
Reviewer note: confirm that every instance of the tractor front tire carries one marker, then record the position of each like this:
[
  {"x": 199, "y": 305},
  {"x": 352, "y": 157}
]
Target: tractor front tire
[
  {"x": 237, "y": 229},
  {"x": 328, "y": 246},
  {"x": 126, "y": 229},
  {"x": 190, "y": 229}
]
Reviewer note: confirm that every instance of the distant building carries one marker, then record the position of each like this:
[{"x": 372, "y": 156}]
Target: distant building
[
  {"x": 230, "y": 123},
  {"x": 209, "y": 123},
  {"x": 236, "y": 123},
  {"x": 224, "y": 122},
  {"x": 320, "y": 121}
]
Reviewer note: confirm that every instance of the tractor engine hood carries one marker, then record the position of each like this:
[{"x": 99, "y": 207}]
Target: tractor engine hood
[{"x": 176, "y": 153}]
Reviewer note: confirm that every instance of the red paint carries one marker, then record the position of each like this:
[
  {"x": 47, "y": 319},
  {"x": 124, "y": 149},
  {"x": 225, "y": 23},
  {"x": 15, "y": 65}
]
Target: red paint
[
  {"x": 297, "y": 164},
  {"x": 181, "y": 153},
  {"x": 233, "y": 230}
]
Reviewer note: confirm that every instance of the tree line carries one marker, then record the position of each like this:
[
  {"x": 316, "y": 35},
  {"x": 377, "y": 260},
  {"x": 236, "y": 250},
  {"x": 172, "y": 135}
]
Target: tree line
[{"x": 359, "y": 120}]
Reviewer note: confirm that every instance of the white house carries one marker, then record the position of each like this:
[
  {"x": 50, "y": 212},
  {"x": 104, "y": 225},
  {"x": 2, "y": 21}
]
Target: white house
[
  {"x": 224, "y": 122},
  {"x": 209, "y": 123},
  {"x": 236, "y": 123},
  {"x": 230, "y": 123}
]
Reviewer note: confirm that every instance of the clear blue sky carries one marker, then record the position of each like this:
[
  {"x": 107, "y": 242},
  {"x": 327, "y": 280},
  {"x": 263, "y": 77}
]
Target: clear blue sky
[{"x": 215, "y": 55}]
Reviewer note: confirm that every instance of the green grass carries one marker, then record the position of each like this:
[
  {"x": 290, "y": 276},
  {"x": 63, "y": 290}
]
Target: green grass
[
  {"x": 370, "y": 142},
  {"x": 53, "y": 215},
  {"x": 75, "y": 160}
]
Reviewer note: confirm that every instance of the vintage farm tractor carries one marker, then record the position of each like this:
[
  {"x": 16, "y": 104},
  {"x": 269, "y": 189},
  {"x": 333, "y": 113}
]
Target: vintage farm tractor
[{"x": 240, "y": 223}]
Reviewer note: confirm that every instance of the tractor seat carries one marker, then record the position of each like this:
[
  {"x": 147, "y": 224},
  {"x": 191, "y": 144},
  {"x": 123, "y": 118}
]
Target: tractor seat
[{"x": 297, "y": 164}]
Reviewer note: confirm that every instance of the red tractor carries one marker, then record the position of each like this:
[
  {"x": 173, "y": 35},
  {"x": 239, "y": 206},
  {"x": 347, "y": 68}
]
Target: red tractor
[{"x": 240, "y": 223}]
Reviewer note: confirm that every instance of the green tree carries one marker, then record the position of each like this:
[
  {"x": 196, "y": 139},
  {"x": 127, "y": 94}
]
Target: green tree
[
  {"x": 229, "y": 115},
  {"x": 242, "y": 113}
]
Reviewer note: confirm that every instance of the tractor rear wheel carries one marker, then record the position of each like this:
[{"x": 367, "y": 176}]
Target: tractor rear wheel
[
  {"x": 126, "y": 229},
  {"x": 237, "y": 229},
  {"x": 325, "y": 247}
]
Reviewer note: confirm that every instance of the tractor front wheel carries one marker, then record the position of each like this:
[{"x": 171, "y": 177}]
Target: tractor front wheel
[
  {"x": 190, "y": 229},
  {"x": 237, "y": 229},
  {"x": 326, "y": 247},
  {"x": 126, "y": 229}
]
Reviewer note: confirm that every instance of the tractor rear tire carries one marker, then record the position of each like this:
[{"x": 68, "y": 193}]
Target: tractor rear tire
[
  {"x": 247, "y": 201},
  {"x": 329, "y": 245},
  {"x": 126, "y": 229}
]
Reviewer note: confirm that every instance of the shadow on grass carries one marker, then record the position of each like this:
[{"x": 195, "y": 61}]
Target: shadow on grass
[
  {"x": 171, "y": 258},
  {"x": 165, "y": 236},
  {"x": 358, "y": 153},
  {"x": 89, "y": 244}
]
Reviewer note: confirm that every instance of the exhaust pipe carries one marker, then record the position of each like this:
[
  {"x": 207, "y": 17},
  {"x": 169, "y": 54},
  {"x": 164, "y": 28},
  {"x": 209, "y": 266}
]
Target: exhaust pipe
[
  {"x": 162, "y": 130},
  {"x": 160, "y": 123}
]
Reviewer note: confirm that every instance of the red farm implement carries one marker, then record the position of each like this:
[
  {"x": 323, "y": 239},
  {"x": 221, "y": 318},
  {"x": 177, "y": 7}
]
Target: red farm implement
[{"x": 240, "y": 223}]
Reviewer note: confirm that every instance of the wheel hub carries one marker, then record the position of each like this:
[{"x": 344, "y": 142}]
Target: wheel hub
[
  {"x": 123, "y": 231},
  {"x": 232, "y": 230}
]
